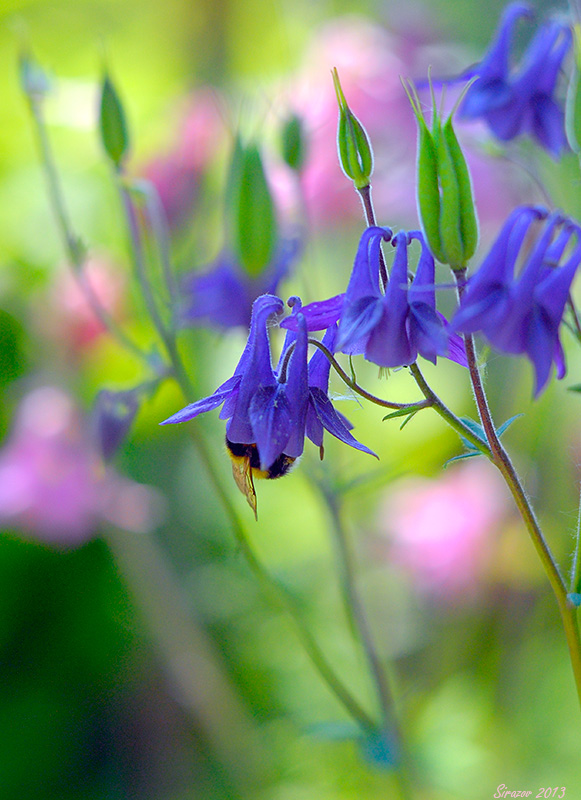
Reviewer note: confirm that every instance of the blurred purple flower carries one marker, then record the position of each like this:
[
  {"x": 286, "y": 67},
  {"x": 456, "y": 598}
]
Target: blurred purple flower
[
  {"x": 223, "y": 295},
  {"x": 52, "y": 484},
  {"x": 522, "y": 314},
  {"x": 517, "y": 102}
]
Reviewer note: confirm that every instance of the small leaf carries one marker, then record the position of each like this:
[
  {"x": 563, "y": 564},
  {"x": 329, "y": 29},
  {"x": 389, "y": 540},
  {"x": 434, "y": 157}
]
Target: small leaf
[
  {"x": 476, "y": 429},
  {"x": 112, "y": 123},
  {"x": 405, "y": 422},
  {"x": 463, "y": 456},
  {"x": 506, "y": 424},
  {"x": 576, "y": 388},
  {"x": 574, "y": 598},
  {"x": 401, "y": 412}
]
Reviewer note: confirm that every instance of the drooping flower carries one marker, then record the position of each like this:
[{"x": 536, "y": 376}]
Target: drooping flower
[
  {"x": 515, "y": 102},
  {"x": 222, "y": 296},
  {"x": 271, "y": 411},
  {"x": 389, "y": 328},
  {"x": 521, "y": 314}
]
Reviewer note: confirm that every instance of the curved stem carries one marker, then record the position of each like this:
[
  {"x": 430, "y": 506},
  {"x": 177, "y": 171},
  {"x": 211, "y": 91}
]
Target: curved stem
[
  {"x": 352, "y": 384},
  {"x": 72, "y": 245},
  {"x": 502, "y": 461}
]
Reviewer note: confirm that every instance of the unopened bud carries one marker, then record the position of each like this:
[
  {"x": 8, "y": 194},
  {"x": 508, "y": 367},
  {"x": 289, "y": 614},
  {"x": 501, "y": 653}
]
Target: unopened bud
[
  {"x": 353, "y": 146},
  {"x": 113, "y": 124},
  {"x": 293, "y": 143}
]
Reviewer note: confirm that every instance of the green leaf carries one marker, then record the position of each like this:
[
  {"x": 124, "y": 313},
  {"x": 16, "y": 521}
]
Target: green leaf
[
  {"x": 400, "y": 412},
  {"x": 505, "y": 425},
  {"x": 461, "y": 457},
  {"x": 112, "y": 124},
  {"x": 576, "y": 388}
]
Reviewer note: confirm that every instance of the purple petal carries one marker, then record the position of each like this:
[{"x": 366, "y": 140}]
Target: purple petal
[
  {"x": 357, "y": 322},
  {"x": 271, "y": 420},
  {"x": 318, "y": 315},
  {"x": 319, "y": 365},
  {"x": 364, "y": 280},
  {"x": 206, "y": 404},
  {"x": 333, "y": 423}
]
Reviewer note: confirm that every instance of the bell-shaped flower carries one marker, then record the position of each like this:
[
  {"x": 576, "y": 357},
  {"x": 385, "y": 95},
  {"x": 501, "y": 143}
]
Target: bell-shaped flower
[
  {"x": 521, "y": 314},
  {"x": 222, "y": 296},
  {"x": 391, "y": 328},
  {"x": 514, "y": 102},
  {"x": 275, "y": 409}
]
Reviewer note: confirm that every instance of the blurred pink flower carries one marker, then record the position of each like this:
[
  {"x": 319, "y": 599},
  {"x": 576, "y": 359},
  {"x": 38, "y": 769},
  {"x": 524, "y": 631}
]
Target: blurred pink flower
[
  {"x": 370, "y": 61},
  {"x": 441, "y": 530},
  {"x": 52, "y": 484},
  {"x": 176, "y": 174},
  {"x": 66, "y": 315}
]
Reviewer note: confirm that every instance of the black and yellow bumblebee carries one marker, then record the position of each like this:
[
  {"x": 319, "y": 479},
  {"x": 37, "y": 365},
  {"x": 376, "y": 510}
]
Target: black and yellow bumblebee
[{"x": 246, "y": 469}]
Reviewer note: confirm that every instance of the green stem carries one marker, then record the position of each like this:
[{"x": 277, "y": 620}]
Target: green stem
[
  {"x": 352, "y": 384},
  {"x": 71, "y": 242},
  {"x": 277, "y": 593},
  {"x": 575, "y": 584},
  {"x": 502, "y": 461},
  {"x": 445, "y": 412}
]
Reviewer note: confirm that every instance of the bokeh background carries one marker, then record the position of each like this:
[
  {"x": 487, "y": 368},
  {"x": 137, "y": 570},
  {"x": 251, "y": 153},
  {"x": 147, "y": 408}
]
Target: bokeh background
[{"x": 139, "y": 655}]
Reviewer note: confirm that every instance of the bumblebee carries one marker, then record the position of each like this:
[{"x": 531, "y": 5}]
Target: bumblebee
[{"x": 246, "y": 469}]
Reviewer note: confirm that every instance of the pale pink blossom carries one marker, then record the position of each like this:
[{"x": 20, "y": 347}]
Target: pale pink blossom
[
  {"x": 442, "y": 530},
  {"x": 176, "y": 173},
  {"x": 54, "y": 487},
  {"x": 67, "y": 315}
]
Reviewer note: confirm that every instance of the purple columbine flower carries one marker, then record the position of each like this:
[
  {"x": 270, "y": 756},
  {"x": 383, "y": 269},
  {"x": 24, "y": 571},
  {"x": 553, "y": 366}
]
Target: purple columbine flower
[
  {"x": 522, "y": 314},
  {"x": 392, "y": 328},
  {"x": 521, "y": 101},
  {"x": 222, "y": 296},
  {"x": 273, "y": 410}
]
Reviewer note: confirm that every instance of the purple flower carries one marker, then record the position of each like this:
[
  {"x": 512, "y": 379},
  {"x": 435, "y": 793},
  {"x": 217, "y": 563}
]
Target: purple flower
[
  {"x": 392, "y": 328},
  {"x": 522, "y": 314},
  {"x": 223, "y": 295},
  {"x": 522, "y": 101},
  {"x": 273, "y": 410}
]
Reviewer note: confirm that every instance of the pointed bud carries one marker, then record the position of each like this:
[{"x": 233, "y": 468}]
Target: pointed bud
[
  {"x": 445, "y": 201},
  {"x": 254, "y": 229},
  {"x": 293, "y": 142},
  {"x": 353, "y": 146},
  {"x": 113, "y": 124}
]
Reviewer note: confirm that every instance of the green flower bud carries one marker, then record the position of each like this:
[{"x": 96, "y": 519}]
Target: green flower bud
[
  {"x": 573, "y": 106},
  {"x": 254, "y": 230},
  {"x": 112, "y": 124},
  {"x": 354, "y": 148},
  {"x": 445, "y": 201},
  {"x": 293, "y": 143}
]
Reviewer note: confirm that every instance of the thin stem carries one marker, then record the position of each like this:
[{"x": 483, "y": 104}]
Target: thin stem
[
  {"x": 575, "y": 584},
  {"x": 71, "y": 242},
  {"x": 365, "y": 194},
  {"x": 138, "y": 258},
  {"x": 445, "y": 412},
  {"x": 501, "y": 459},
  {"x": 159, "y": 227},
  {"x": 355, "y": 606},
  {"x": 352, "y": 384}
]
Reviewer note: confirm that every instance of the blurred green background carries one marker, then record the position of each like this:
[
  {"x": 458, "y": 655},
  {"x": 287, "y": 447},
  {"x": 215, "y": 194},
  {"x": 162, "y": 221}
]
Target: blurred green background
[{"x": 154, "y": 664}]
